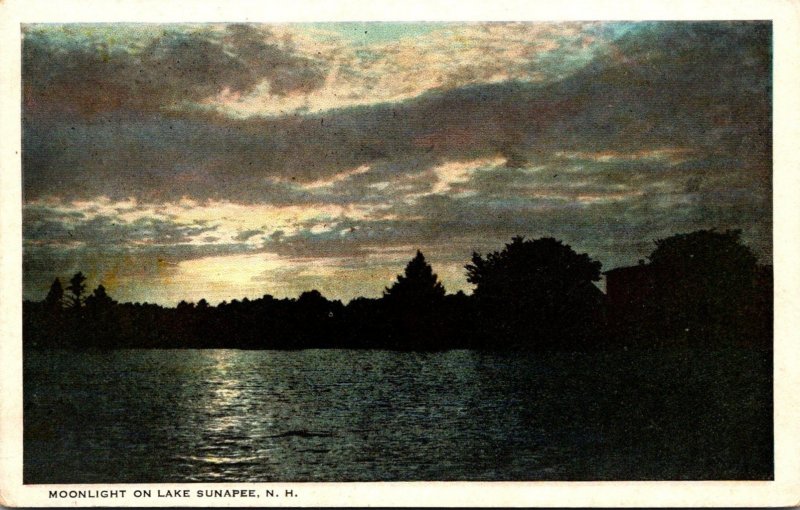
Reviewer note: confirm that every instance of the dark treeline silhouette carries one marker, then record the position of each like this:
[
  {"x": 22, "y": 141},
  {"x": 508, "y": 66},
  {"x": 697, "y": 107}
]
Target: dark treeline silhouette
[{"x": 703, "y": 289}]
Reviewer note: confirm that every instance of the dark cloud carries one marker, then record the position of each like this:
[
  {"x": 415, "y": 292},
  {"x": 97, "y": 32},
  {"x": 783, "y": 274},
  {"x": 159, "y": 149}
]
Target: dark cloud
[
  {"x": 246, "y": 234},
  {"x": 613, "y": 206},
  {"x": 705, "y": 86},
  {"x": 40, "y": 225},
  {"x": 89, "y": 74},
  {"x": 617, "y": 232}
]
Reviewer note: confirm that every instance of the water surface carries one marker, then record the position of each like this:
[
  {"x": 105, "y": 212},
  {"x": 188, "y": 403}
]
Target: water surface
[{"x": 348, "y": 415}]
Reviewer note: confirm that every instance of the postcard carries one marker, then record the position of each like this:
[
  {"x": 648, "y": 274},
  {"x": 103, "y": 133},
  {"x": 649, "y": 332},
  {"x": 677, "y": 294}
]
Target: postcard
[{"x": 399, "y": 254}]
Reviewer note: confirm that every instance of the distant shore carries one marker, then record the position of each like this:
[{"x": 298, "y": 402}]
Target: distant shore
[{"x": 700, "y": 290}]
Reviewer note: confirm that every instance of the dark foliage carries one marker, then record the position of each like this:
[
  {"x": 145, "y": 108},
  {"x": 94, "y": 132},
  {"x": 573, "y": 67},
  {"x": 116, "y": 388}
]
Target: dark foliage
[
  {"x": 537, "y": 291},
  {"x": 77, "y": 289},
  {"x": 708, "y": 285},
  {"x": 413, "y": 308},
  {"x": 418, "y": 286},
  {"x": 700, "y": 288},
  {"x": 55, "y": 296}
]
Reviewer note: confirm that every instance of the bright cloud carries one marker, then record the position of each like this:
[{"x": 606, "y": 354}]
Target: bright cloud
[
  {"x": 456, "y": 172},
  {"x": 340, "y": 177},
  {"x": 451, "y": 57}
]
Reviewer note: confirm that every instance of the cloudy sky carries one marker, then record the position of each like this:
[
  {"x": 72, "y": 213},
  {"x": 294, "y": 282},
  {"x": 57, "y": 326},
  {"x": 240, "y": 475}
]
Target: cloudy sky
[{"x": 220, "y": 161}]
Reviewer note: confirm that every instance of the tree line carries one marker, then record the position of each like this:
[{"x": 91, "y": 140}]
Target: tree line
[{"x": 702, "y": 289}]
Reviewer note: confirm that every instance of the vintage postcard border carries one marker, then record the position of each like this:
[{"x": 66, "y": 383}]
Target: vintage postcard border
[{"x": 783, "y": 491}]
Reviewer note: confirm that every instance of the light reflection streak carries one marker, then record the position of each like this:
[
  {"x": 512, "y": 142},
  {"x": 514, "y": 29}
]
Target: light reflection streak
[{"x": 226, "y": 427}]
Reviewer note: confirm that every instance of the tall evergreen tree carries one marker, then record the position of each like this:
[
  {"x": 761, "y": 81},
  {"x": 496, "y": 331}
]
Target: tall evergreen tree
[
  {"x": 77, "y": 288},
  {"x": 419, "y": 284},
  {"x": 55, "y": 296}
]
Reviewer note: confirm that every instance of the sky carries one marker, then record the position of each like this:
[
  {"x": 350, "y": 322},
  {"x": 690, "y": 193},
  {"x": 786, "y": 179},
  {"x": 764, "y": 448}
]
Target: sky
[{"x": 181, "y": 162}]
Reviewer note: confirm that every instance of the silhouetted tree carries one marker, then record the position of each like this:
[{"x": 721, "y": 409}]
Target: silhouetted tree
[
  {"x": 706, "y": 253},
  {"x": 413, "y": 305},
  {"x": 44, "y": 322},
  {"x": 536, "y": 290},
  {"x": 317, "y": 319},
  {"x": 706, "y": 281},
  {"x": 103, "y": 323},
  {"x": 55, "y": 296},
  {"x": 206, "y": 330},
  {"x": 526, "y": 268},
  {"x": 183, "y": 305},
  {"x": 418, "y": 284},
  {"x": 312, "y": 299},
  {"x": 77, "y": 287},
  {"x": 366, "y": 323},
  {"x": 99, "y": 299},
  {"x": 183, "y": 327}
]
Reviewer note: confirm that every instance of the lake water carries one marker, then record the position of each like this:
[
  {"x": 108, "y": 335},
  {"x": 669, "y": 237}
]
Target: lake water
[{"x": 340, "y": 415}]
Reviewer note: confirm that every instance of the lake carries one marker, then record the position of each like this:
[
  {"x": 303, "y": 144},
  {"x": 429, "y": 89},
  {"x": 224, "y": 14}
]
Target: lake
[{"x": 349, "y": 415}]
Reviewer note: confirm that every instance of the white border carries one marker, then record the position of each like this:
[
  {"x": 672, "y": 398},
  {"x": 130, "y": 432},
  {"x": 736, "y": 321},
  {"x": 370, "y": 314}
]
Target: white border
[{"x": 785, "y": 15}]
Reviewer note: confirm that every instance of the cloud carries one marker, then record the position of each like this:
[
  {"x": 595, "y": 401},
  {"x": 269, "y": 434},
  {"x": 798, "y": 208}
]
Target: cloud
[
  {"x": 247, "y": 234},
  {"x": 60, "y": 228},
  {"x": 338, "y": 178},
  {"x": 86, "y": 69},
  {"x": 648, "y": 131},
  {"x": 633, "y": 104},
  {"x": 447, "y": 56},
  {"x": 451, "y": 174}
]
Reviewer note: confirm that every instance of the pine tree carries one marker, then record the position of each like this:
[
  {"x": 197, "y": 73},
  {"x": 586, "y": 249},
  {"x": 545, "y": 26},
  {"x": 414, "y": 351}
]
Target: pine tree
[
  {"x": 55, "y": 296},
  {"x": 418, "y": 284},
  {"x": 77, "y": 287}
]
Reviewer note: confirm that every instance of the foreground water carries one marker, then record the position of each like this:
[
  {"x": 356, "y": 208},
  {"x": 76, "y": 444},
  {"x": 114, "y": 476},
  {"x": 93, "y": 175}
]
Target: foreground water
[{"x": 339, "y": 415}]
